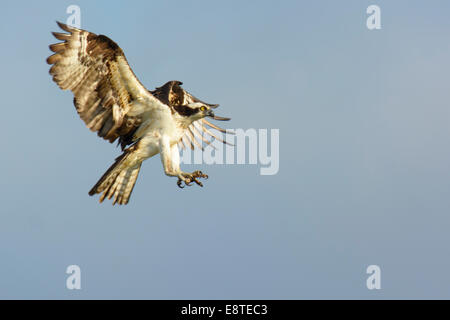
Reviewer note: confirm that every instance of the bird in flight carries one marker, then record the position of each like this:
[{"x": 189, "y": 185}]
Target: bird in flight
[{"x": 113, "y": 102}]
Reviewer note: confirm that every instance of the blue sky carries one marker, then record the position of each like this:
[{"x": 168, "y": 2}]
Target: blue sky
[{"x": 364, "y": 155}]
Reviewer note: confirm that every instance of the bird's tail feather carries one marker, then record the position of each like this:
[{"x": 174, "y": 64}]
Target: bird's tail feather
[{"x": 119, "y": 179}]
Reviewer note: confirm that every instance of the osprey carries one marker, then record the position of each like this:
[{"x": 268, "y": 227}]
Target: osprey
[{"x": 112, "y": 102}]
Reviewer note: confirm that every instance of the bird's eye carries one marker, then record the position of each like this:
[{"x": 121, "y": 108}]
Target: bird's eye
[{"x": 202, "y": 108}]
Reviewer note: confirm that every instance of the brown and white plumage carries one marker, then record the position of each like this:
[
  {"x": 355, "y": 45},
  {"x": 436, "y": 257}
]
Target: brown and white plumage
[{"x": 112, "y": 102}]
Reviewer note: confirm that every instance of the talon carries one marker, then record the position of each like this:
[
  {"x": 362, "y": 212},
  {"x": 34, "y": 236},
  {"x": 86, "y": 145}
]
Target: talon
[
  {"x": 189, "y": 178},
  {"x": 198, "y": 182},
  {"x": 199, "y": 174}
]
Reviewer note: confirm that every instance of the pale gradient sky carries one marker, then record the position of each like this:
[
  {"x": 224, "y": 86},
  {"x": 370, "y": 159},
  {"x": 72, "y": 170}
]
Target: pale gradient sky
[{"x": 364, "y": 155}]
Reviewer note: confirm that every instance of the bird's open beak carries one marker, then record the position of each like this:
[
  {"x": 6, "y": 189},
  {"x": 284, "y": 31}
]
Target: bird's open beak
[{"x": 211, "y": 114}]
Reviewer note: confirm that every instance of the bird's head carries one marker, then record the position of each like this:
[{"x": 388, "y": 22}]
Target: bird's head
[
  {"x": 185, "y": 104},
  {"x": 198, "y": 110}
]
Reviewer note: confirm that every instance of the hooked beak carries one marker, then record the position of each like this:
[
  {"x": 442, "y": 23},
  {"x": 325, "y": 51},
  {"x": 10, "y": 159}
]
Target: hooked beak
[{"x": 211, "y": 114}]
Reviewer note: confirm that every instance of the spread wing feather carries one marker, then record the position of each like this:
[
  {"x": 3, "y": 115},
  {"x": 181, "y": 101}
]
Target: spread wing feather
[
  {"x": 197, "y": 133},
  {"x": 95, "y": 69}
]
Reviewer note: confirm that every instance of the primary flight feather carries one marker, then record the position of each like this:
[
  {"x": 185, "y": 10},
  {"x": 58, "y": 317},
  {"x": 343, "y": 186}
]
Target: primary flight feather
[{"x": 112, "y": 102}]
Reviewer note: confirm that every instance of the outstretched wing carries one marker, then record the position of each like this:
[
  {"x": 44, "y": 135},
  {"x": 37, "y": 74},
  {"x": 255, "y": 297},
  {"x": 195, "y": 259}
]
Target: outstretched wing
[
  {"x": 201, "y": 133},
  {"x": 95, "y": 69}
]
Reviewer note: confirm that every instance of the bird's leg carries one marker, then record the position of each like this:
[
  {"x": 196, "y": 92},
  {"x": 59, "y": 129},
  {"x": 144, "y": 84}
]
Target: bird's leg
[
  {"x": 170, "y": 158},
  {"x": 188, "y": 178}
]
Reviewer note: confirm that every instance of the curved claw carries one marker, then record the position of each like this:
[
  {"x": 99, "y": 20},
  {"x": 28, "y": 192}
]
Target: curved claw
[
  {"x": 198, "y": 182},
  {"x": 199, "y": 174},
  {"x": 188, "y": 179}
]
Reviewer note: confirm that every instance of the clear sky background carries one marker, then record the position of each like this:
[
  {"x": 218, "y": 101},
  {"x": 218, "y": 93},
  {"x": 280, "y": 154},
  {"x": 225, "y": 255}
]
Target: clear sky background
[{"x": 364, "y": 155}]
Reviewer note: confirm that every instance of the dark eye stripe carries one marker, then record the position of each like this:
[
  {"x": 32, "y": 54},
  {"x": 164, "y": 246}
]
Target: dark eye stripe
[{"x": 185, "y": 110}]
